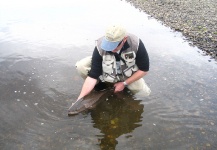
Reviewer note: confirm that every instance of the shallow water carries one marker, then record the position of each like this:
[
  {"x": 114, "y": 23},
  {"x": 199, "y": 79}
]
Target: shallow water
[{"x": 39, "y": 45}]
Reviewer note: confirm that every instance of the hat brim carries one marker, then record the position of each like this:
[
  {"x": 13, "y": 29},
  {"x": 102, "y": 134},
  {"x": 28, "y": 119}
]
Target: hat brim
[{"x": 108, "y": 45}]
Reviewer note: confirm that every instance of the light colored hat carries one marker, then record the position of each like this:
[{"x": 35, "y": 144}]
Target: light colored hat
[{"x": 113, "y": 36}]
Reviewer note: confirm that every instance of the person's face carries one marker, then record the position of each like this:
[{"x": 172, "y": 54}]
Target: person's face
[{"x": 120, "y": 45}]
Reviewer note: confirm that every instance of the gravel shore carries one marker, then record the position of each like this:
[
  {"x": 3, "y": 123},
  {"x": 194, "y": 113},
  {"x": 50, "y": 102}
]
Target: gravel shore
[{"x": 196, "y": 19}]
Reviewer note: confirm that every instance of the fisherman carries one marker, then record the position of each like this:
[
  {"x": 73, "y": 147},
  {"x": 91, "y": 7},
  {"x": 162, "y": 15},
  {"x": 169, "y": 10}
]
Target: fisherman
[{"x": 119, "y": 58}]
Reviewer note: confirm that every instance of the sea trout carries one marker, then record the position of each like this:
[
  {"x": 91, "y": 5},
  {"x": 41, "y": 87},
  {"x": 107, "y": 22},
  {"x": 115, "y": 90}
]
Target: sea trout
[{"x": 87, "y": 102}]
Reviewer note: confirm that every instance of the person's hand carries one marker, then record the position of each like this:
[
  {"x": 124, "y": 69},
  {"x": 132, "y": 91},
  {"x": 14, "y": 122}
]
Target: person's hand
[{"x": 119, "y": 86}]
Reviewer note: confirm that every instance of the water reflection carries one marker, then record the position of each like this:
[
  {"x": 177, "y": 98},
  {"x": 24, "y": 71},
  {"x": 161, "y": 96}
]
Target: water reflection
[
  {"x": 119, "y": 114},
  {"x": 38, "y": 80}
]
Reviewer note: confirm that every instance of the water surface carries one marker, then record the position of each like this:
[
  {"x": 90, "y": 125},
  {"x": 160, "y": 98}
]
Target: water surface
[{"x": 41, "y": 41}]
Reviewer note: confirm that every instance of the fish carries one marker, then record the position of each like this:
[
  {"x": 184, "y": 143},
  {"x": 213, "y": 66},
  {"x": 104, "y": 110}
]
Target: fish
[{"x": 87, "y": 102}]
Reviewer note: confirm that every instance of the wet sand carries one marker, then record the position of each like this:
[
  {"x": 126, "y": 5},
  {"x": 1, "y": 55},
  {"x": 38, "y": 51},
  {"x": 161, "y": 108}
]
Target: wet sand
[{"x": 195, "y": 19}]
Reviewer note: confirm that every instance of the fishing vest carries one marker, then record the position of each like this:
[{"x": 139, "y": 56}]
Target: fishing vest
[{"x": 127, "y": 65}]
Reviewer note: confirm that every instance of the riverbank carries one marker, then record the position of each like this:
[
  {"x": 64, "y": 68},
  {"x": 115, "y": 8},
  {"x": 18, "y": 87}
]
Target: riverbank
[{"x": 196, "y": 19}]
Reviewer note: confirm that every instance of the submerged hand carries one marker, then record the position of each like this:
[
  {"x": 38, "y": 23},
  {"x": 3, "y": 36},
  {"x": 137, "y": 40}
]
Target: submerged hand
[{"x": 119, "y": 87}]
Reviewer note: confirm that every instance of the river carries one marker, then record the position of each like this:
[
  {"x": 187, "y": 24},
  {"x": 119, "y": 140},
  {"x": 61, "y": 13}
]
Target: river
[{"x": 40, "y": 42}]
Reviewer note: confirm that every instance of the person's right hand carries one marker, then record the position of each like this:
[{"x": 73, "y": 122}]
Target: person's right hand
[{"x": 119, "y": 86}]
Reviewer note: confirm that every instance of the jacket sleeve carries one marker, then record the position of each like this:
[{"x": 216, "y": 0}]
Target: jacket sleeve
[
  {"x": 142, "y": 59},
  {"x": 96, "y": 65}
]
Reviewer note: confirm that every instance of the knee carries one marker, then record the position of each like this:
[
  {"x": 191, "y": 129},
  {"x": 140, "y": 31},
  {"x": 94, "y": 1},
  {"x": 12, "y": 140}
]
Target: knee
[
  {"x": 140, "y": 86},
  {"x": 83, "y": 63},
  {"x": 79, "y": 65},
  {"x": 83, "y": 66}
]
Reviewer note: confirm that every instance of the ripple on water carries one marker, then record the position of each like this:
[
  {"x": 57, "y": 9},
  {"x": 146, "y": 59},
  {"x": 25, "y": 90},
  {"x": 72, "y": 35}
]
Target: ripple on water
[
  {"x": 38, "y": 81},
  {"x": 177, "y": 120}
]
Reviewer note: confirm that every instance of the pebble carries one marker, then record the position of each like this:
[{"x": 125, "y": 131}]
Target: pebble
[{"x": 199, "y": 27}]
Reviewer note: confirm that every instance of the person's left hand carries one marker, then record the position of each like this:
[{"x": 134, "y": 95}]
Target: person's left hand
[{"x": 119, "y": 86}]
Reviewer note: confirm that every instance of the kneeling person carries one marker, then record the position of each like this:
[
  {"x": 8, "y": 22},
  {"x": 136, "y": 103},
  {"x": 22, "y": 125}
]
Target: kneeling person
[{"x": 119, "y": 58}]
